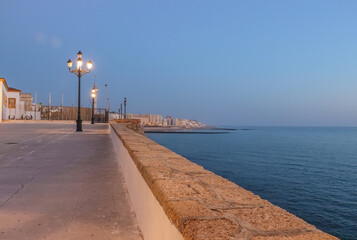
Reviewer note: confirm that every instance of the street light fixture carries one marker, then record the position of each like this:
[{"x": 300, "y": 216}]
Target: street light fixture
[
  {"x": 79, "y": 71},
  {"x": 93, "y": 97}
]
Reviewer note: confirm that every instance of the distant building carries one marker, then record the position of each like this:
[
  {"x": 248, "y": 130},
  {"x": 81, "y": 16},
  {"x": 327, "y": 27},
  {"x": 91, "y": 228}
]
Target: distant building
[
  {"x": 183, "y": 123},
  {"x": 147, "y": 119},
  {"x": 168, "y": 121},
  {"x": 164, "y": 122},
  {"x": 26, "y": 100},
  {"x": 16, "y": 105},
  {"x": 155, "y": 120},
  {"x": 144, "y": 118}
]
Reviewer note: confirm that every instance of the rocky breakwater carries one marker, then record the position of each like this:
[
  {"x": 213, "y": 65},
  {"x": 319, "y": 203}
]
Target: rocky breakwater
[{"x": 205, "y": 206}]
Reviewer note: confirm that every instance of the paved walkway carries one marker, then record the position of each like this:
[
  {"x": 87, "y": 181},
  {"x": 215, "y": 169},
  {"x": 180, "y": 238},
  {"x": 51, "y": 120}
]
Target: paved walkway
[{"x": 57, "y": 184}]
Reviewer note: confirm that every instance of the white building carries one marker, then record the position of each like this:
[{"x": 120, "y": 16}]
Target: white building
[
  {"x": 147, "y": 119},
  {"x": 179, "y": 122},
  {"x": 144, "y": 118},
  {"x": 168, "y": 121},
  {"x": 155, "y": 119},
  {"x": 16, "y": 105}
]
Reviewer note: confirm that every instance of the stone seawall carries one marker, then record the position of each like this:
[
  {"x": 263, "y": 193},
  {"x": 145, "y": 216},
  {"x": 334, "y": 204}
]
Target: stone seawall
[
  {"x": 198, "y": 203},
  {"x": 133, "y": 124}
]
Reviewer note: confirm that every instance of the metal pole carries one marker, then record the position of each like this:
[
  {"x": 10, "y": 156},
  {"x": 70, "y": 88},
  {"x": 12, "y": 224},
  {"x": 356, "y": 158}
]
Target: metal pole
[
  {"x": 121, "y": 111},
  {"x": 62, "y": 108},
  {"x": 107, "y": 99},
  {"x": 79, "y": 120},
  {"x": 35, "y": 105},
  {"x": 92, "y": 110},
  {"x": 49, "y": 107},
  {"x": 72, "y": 110},
  {"x": 125, "y": 108}
]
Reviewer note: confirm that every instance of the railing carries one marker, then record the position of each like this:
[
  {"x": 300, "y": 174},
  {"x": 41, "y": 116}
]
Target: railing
[{"x": 70, "y": 113}]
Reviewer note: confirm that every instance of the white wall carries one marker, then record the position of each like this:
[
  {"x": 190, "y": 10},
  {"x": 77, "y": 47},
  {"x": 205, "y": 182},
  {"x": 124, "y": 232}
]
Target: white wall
[
  {"x": 1, "y": 104},
  {"x": 17, "y": 112},
  {"x": 13, "y": 111},
  {"x": 153, "y": 222}
]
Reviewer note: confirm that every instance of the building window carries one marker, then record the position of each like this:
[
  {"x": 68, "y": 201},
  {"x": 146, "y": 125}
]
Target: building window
[{"x": 12, "y": 102}]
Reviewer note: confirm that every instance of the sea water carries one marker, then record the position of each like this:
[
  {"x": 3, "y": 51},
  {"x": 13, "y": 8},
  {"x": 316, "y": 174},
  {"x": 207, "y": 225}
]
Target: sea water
[{"x": 309, "y": 171}]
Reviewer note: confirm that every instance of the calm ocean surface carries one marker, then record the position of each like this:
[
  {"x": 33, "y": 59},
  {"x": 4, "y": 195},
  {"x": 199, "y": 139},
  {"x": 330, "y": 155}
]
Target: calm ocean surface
[{"x": 309, "y": 171}]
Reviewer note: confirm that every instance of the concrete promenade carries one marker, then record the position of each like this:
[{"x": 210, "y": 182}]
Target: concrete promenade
[{"x": 59, "y": 184}]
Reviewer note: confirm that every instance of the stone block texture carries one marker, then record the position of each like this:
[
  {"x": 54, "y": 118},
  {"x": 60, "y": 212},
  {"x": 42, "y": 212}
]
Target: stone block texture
[{"x": 205, "y": 206}]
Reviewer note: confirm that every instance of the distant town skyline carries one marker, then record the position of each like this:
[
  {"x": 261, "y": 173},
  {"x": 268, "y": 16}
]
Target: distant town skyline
[
  {"x": 279, "y": 63},
  {"x": 159, "y": 121}
]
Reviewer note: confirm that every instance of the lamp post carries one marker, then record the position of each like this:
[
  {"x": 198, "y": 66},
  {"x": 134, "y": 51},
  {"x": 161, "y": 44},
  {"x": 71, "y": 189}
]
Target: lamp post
[
  {"x": 79, "y": 71},
  {"x": 93, "y": 97},
  {"x": 106, "y": 95},
  {"x": 121, "y": 111},
  {"x": 125, "y": 108}
]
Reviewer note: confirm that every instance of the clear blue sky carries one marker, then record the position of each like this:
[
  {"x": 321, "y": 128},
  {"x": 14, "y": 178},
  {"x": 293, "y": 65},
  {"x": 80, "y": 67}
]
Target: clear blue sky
[{"x": 220, "y": 62}]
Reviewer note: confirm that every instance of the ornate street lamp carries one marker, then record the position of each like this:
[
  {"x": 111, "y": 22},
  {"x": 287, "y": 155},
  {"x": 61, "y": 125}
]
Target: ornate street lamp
[
  {"x": 93, "y": 97},
  {"x": 79, "y": 71}
]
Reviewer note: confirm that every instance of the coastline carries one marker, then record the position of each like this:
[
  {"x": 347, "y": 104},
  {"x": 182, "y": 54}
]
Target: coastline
[
  {"x": 197, "y": 130},
  {"x": 186, "y": 132}
]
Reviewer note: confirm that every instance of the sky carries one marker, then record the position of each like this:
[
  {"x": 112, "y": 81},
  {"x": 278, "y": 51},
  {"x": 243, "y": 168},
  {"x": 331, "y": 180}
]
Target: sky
[{"x": 271, "y": 63}]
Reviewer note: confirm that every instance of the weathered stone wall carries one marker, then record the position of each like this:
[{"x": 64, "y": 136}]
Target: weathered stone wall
[
  {"x": 203, "y": 205},
  {"x": 133, "y": 124}
]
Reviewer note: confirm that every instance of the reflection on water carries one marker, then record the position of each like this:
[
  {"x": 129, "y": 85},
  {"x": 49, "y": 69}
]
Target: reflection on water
[{"x": 311, "y": 172}]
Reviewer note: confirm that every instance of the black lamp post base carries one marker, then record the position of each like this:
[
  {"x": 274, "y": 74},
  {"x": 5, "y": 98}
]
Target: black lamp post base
[
  {"x": 92, "y": 120},
  {"x": 79, "y": 125}
]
